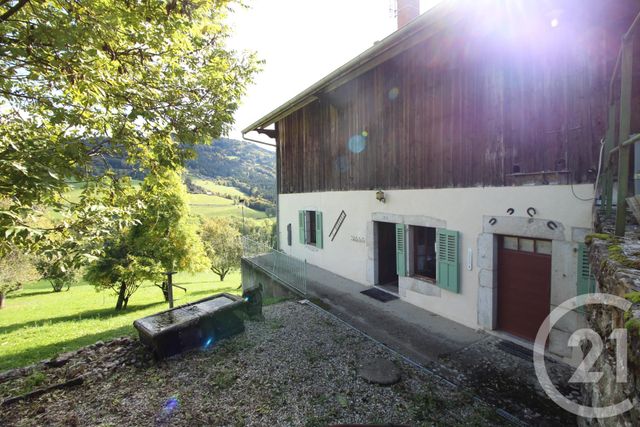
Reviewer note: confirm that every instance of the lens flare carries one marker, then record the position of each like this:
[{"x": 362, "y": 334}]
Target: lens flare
[
  {"x": 208, "y": 342},
  {"x": 555, "y": 22},
  {"x": 357, "y": 143},
  {"x": 393, "y": 93},
  {"x": 170, "y": 406}
]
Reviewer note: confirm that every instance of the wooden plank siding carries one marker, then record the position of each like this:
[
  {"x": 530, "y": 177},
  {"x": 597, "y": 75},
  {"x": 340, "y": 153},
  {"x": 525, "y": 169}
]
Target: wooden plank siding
[{"x": 470, "y": 110}]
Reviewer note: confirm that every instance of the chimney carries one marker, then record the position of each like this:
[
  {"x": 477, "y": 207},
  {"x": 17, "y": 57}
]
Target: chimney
[{"x": 407, "y": 10}]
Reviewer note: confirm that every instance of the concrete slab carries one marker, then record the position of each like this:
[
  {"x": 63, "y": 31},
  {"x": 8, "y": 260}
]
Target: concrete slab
[{"x": 422, "y": 335}]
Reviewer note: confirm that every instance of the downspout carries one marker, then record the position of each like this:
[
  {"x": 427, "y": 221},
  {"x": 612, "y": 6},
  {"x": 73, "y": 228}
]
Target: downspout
[
  {"x": 256, "y": 141},
  {"x": 244, "y": 137}
]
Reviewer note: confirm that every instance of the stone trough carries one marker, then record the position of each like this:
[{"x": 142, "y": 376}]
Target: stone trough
[{"x": 199, "y": 324}]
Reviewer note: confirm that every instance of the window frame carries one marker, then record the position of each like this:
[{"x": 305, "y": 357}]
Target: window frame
[
  {"x": 310, "y": 237},
  {"x": 413, "y": 253}
]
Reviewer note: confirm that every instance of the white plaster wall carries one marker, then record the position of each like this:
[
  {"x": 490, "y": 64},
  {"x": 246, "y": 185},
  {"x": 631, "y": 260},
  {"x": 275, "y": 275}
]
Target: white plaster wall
[{"x": 461, "y": 209}]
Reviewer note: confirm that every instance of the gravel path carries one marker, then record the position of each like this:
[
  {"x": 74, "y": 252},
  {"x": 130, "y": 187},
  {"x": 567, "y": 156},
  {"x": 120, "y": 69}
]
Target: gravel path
[{"x": 297, "y": 367}]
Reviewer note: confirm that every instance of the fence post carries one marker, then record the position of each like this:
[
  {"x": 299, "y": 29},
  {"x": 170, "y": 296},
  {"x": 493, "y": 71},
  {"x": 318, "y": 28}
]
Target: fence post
[{"x": 626, "y": 79}]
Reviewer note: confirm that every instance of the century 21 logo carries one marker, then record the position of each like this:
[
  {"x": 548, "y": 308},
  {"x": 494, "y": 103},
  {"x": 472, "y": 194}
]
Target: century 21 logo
[{"x": 584, "y": 374}]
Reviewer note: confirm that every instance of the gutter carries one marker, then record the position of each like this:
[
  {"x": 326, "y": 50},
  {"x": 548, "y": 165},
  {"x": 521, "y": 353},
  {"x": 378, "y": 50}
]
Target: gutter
[{"x": 244, "y": 138}]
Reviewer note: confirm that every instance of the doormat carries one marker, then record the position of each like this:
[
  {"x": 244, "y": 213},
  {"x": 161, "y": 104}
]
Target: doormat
[
  {"x": 516, "y": 350},
  {"x": 376, "y": 293}
]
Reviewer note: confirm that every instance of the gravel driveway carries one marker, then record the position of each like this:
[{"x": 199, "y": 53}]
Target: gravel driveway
[{"x": 297, "y": 367}]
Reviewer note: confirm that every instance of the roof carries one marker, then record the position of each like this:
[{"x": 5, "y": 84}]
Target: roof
[
  {"x": 446, "y": 15},
  {"x": 421, "y": 28}
]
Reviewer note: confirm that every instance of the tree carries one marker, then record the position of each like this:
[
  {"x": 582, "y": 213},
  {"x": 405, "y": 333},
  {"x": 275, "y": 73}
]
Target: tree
[
  {"x": 56, "y": 272},
  {"x": 83, "y": 80},
  {"x": 162, "y": 238},
  {"x": 166, "y": 231},
  {"x": 122, "y": 271},
  {"x": 16, "y": 268},
  {"x": 223, "y": 246}
]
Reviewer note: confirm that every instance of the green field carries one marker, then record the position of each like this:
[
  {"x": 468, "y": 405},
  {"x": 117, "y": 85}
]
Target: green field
[
  {"x": 217, "y": 188},
  {"x": 37, "y": 323},
  {"x": 199, "y": 199},
  {"x": 205, "y": 205}
]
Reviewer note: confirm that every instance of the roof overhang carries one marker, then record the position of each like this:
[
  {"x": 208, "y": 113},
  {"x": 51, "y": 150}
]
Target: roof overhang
[{"x": 420, "y": 29}]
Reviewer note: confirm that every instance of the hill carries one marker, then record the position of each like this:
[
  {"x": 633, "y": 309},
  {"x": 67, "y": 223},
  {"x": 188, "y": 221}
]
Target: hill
[{"x": 238, "y": 164}]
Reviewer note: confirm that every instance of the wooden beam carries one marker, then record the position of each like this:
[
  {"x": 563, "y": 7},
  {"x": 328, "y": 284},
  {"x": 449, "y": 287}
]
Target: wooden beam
[
  {"x": 608, "y": 177},
  {"x": 271, "y": 133},
  {"x": 626, "y": 77}
]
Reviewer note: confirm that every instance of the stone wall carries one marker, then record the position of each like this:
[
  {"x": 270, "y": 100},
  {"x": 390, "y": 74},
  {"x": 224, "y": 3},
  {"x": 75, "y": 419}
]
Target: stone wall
[{"x": 615, "y": 263}]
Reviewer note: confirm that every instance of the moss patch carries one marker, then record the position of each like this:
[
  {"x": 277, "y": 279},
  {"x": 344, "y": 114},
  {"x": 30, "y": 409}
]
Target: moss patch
[
  {"x": 600, "y": 236},
  {"x": 633, "y": 297},
  {"x": 617, "y": 254}
]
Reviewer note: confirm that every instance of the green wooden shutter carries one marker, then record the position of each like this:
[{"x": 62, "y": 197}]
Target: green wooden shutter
[
  {"x": 319, "y": 230},
  {"x": 586, "y": 281},
  {"x": 301, "y": 220},
  {"x": 401, "y": 266},
  {"x": 447, "y": 268}
]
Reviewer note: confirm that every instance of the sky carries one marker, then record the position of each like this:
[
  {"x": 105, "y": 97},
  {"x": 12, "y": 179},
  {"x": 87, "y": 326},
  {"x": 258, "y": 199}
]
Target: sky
[{"x": 301, "y": 41}]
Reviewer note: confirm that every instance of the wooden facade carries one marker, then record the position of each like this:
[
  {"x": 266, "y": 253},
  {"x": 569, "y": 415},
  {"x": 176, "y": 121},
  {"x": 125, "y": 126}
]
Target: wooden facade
[{"x": 474, "y": 105}]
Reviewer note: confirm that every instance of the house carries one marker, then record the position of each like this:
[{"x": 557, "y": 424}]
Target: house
[{"x": 453, "y": 163}]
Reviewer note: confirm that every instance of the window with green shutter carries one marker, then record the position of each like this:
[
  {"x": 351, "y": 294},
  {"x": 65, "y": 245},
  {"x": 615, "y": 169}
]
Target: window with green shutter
[
  {"x": 447, "y": 268},
  {"x": 401, "y": 248},
  {"x": 311, "y": 230},
  {"x": 586, "y": 280}
]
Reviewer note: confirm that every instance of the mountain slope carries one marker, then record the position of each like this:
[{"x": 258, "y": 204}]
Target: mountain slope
[{"x": 240, "y": 164}]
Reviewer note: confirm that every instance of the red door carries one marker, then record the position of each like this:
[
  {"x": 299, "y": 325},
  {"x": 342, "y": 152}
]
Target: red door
[{"x": 524, "y": 285}]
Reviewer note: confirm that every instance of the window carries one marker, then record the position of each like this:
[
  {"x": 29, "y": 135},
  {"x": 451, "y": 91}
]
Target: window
[
  {"x": 310, "y": 227},
  {"x": 523, "y": 244},
  {"x": 310, "y": 223},
  {"x": 424, "y": 251},
  {"x": 424, "y": 261}
]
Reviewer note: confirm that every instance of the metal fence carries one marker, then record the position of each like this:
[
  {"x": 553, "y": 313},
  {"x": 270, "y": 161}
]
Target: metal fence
[{"x": 286, "y": 269}]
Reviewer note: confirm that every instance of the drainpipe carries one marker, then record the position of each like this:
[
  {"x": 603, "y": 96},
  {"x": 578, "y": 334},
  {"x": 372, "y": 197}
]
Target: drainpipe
[{"x": 244, "y": 137}]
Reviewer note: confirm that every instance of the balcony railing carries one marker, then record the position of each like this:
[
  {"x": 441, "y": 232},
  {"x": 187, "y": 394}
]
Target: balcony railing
[{"x": 286, "y": 269}]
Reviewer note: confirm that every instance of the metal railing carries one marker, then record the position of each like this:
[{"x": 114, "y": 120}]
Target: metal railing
[
  {"x": 619, "y": 138},
  {"x": 284, "y": 268}
]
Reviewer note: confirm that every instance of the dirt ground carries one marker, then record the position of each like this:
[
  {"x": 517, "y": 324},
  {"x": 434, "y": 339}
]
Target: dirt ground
[{"x": 297, "y": 367}]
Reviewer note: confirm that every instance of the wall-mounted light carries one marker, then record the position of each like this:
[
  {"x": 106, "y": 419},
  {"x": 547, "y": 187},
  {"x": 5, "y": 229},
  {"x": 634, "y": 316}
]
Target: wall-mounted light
[{"x": 380, "y": 196}]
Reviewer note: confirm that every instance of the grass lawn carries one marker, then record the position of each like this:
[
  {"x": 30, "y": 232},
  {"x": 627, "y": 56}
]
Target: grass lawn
[{"x": 37, "y": 323}]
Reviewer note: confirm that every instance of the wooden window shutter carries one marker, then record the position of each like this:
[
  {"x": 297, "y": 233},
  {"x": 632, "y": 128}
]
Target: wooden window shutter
[
  {"x": 586, "y": 280},
  {"x": 401, "y": 265},
  {"x": 447, "y": 266},
  {"x": 319, "y": 230},
  {"x": 301, "y": 224}
]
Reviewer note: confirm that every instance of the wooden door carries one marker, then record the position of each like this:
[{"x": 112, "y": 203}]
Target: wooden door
[
  {"x": 524, "y": 285},
  {"x": 387, "y": 272}
]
